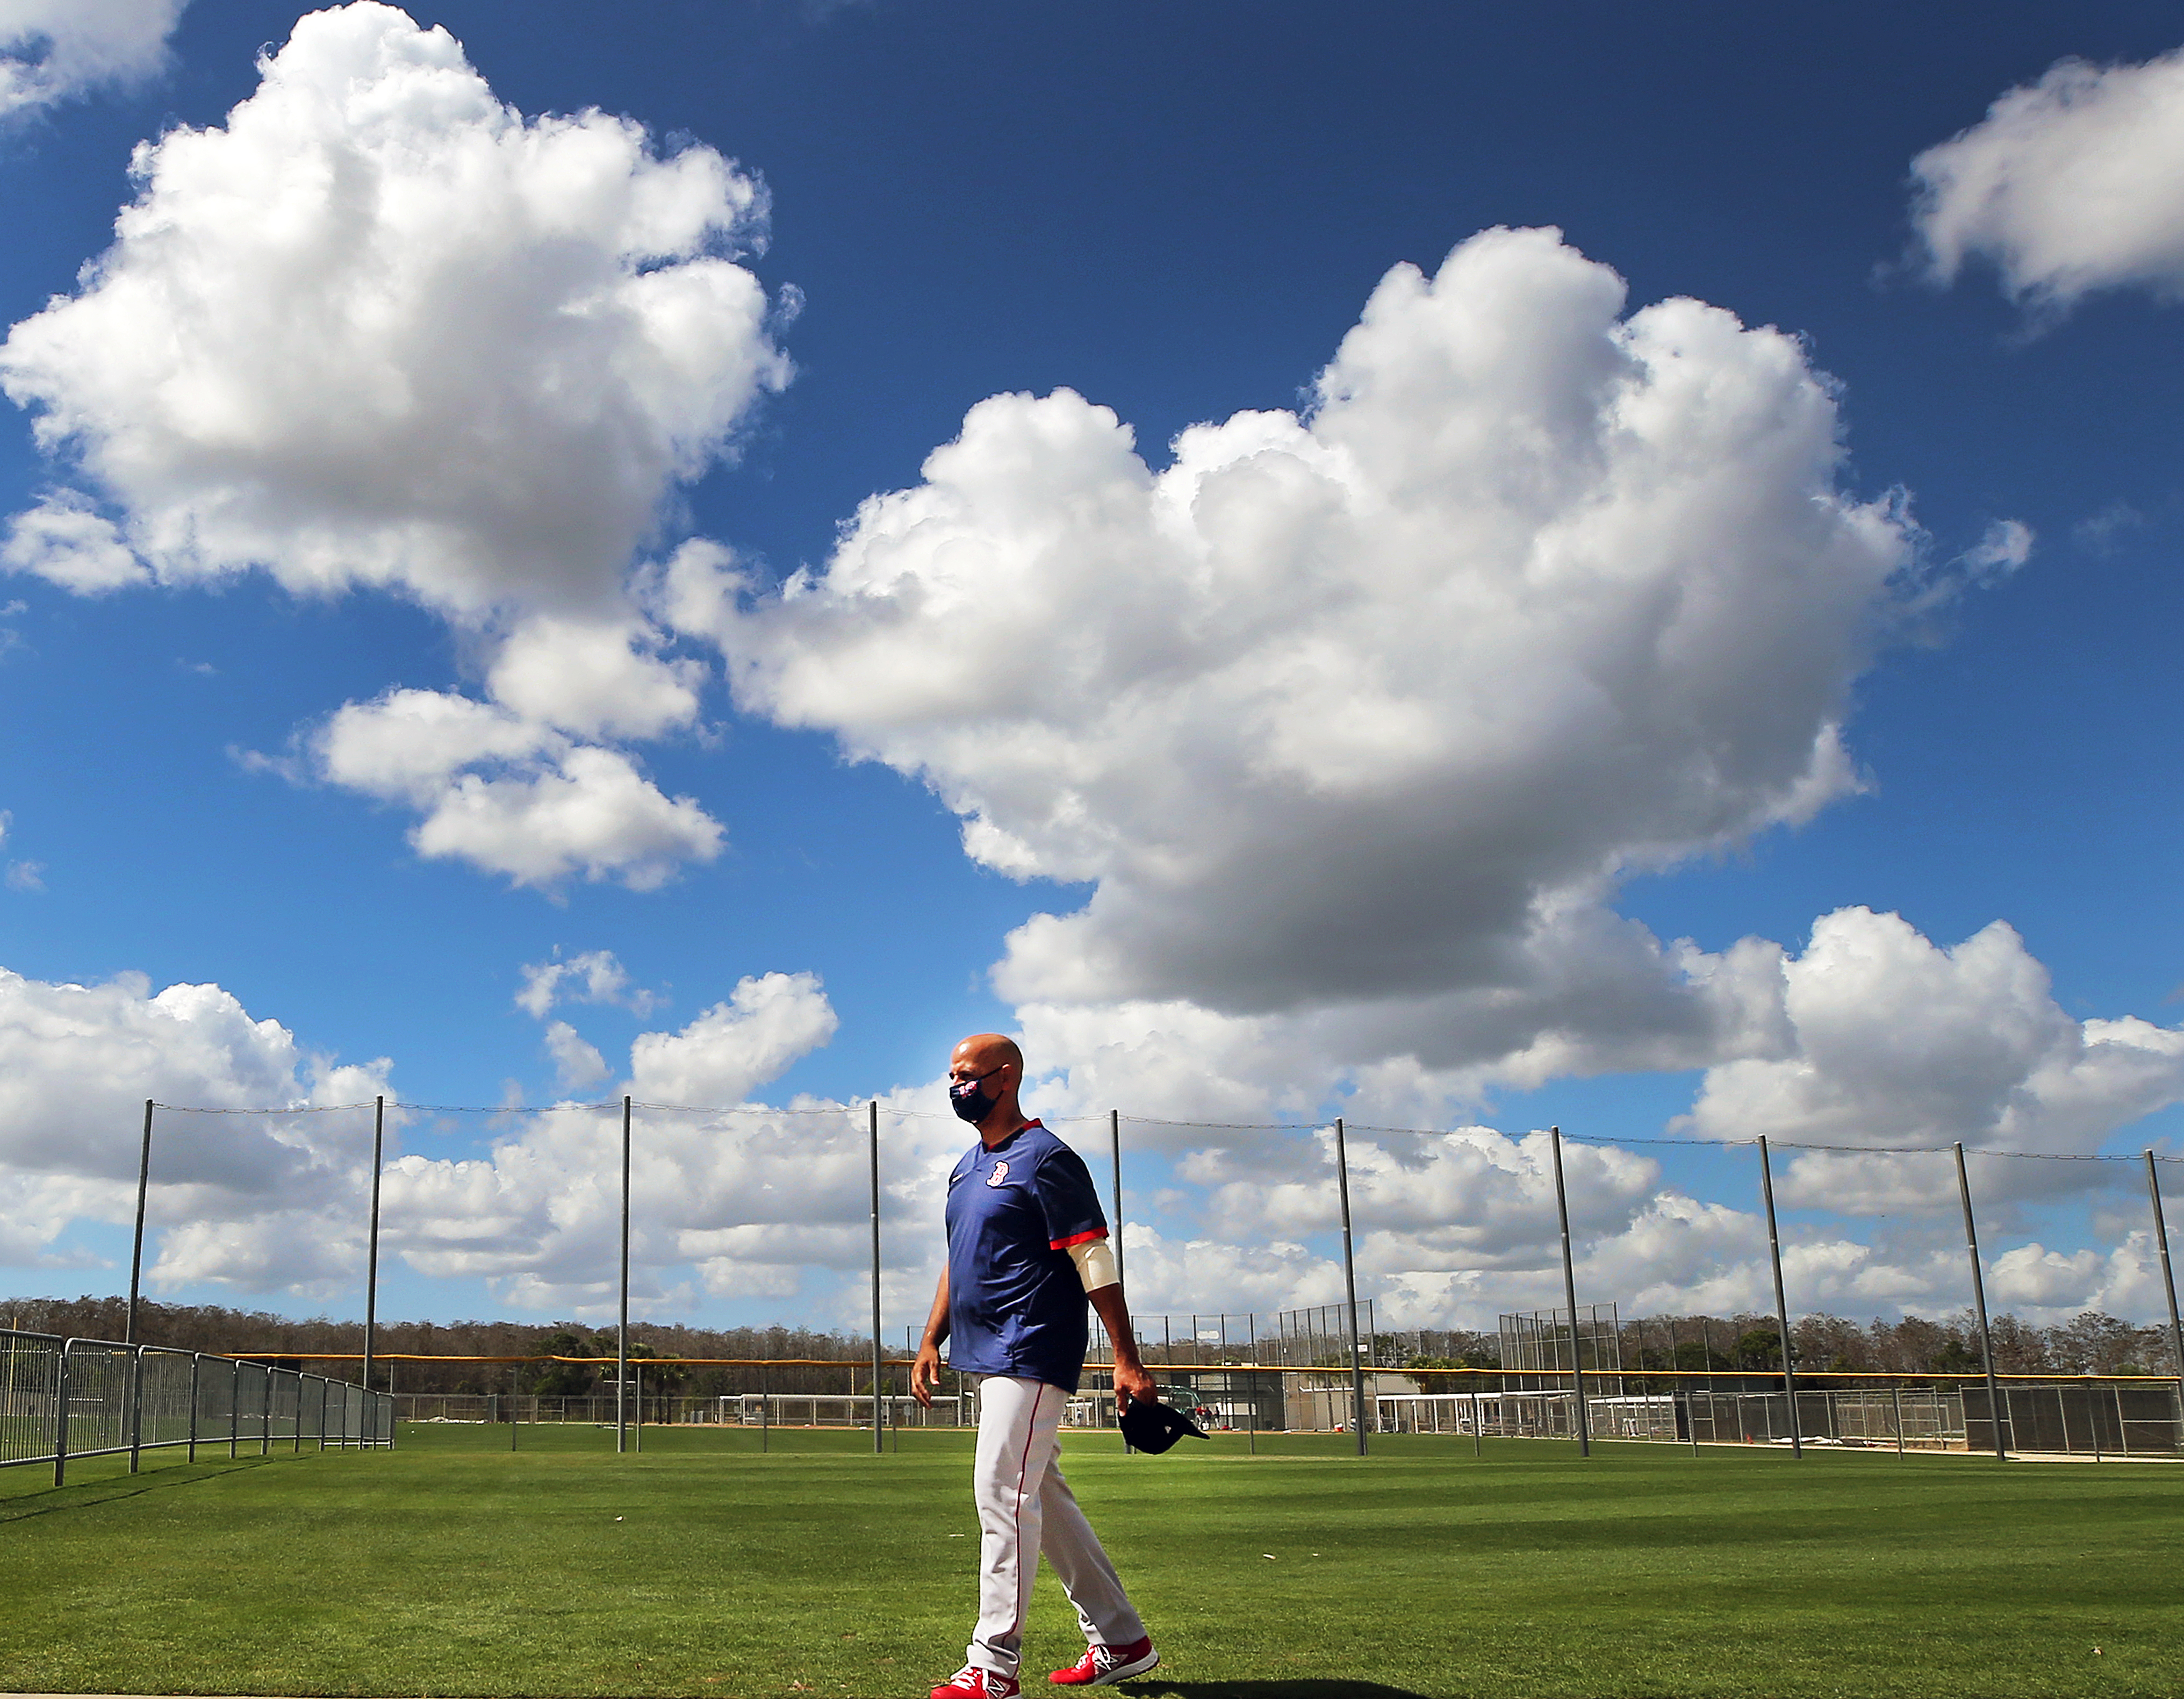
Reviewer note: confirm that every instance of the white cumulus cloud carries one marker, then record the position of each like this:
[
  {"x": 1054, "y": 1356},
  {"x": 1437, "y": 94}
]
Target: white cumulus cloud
[
  {"x": 52, "y": 50},
  {"x": 595, "y": 976},
  {"x": 1367, "y": 708},
  {"x": 76, "y": 1063},
  {"x": 577, "y": 1062},
  {"x": 379, "y": 329},
  {"x": 1894, "y": 1040},
  {"x": 509, "y": 794},
  {"x": 762, "y": 1027},
  {"x": 2074, "y": 184},
  {"x": 66, "y": 541}
]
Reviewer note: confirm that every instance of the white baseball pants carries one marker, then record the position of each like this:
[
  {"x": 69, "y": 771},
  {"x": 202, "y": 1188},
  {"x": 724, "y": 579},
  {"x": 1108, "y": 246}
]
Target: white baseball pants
[{"x": 1026, "y": 1511}]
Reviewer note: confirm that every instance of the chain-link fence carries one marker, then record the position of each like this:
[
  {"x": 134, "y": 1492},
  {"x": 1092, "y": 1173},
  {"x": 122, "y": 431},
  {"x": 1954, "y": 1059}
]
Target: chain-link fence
[
  {"x": 62, "y": 1399},
  {"x": 1231, "y": 1388},
  {"x": 2091, "y": 1415}
]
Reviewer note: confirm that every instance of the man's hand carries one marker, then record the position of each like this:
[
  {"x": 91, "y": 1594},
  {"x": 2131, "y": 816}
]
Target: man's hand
[
  {"x": 1133, "y": 1386},
  {"x": 925, "y": 1373}
]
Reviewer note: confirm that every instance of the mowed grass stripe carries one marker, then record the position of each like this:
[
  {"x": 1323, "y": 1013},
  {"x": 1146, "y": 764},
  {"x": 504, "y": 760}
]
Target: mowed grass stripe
[{"x": 454, "y": 1568}]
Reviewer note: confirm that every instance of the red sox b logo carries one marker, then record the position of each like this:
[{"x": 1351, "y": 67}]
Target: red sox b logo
[{"x": 999, "y": 1174}]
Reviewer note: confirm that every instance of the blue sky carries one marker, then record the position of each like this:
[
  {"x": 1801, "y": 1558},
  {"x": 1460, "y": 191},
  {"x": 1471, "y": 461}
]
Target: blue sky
[{"x": 1384, "y": 822}]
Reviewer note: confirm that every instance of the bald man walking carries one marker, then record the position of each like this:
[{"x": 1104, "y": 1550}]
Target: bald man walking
[{"x": 1027, "y": 1247}]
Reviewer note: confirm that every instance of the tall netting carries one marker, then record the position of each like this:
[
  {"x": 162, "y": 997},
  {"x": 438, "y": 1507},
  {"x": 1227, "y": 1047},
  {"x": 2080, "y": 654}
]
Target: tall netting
[{"x": 1678, "y": 1289}]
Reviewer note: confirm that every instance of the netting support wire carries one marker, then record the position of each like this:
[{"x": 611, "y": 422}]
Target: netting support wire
[
  {"x": 1979, "y": 1301},
  {"x": 1569, "y": 1296},
  {"x": 2168, "y": 1274},
  {"x": 1781, "y": 1298},
  {"x": 1350, "y": 1288},
  {"x": 371, "y": 1248},
  {"x": 621, "y": 1327},
  {"x": 879, "y": 1408}
]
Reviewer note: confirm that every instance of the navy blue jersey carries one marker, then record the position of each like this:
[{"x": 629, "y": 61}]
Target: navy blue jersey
[{"x": 1015, "y": 1303}]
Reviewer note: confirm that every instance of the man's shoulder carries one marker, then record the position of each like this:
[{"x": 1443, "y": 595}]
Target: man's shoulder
[{"x": 1041, "y": 1145}]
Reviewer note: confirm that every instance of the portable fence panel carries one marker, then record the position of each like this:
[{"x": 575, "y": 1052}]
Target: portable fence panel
[
  {"x": 63, "y": 1399},
  {"x": 251, "y": 1391},
  {"x": 164, "y": 1378},
  {"x": 215, "y": 1398},
  {"x": 30, "y": 1389},
  {"x": 99, "y": 1397},
  {"x": 287, "y": 1404}
]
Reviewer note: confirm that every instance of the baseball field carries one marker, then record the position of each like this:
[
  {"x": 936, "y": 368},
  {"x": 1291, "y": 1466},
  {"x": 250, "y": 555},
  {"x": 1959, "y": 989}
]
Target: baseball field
[{"x": 454, "y": 1566}]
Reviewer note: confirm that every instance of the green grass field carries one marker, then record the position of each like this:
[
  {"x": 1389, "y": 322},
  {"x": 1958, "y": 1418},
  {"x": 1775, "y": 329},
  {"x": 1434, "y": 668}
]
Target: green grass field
[{"x": 452, "y": 1566}]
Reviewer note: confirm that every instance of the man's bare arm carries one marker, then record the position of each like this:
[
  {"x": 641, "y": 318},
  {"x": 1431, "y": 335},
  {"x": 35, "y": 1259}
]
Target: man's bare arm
[
  {"x": 925, "y": 1372},
  {"x": 1132, "y": 1382}
]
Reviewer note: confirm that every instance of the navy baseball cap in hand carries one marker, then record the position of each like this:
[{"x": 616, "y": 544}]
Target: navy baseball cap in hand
[{"x": 1155, "y": 1427}]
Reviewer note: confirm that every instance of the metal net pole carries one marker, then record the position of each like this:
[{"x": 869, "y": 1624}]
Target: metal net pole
[
  {"x": 1782, "y": 1299},
  {"x": 879, "y": 1432},
  {"x": 1979, "y": 1301},
  {"x": 1349, "y": 1287},
  {"x": 1569, "y": 1295},
  {"x": 621, "y": 1327},
  {"x": 1114, "y": 1157},
  {"x": 371, "y": 1250},
  {"x": 2168, "y": 1276}
]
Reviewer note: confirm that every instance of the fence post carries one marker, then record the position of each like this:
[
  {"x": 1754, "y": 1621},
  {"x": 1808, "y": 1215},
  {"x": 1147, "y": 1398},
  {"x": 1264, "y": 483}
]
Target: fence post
[
  {"x": 234, "y": 1407},
  {"x": 61, "y": 1416},
  {"x": 1895, "y": 1395},
  {"x": 879, "y": 1431},
  {"x": 2168, "y": 1278},
  {"x": 1349, "y": 1287},
  {"x": 1781, "y": 1301},
  {"x": 197, "y": 1367},
  {"x": 1569, "y": 1295},
  {"x": 638, "y": 1389},
  {"x": 1979, "y": 1299},
  {"x": 512, "y": 1412},
  {"x": 621, "y": 1328},
  {"x": 371, "y": 1248},
  {"x": 265, "y": 1418},
  {"x": 135, "y": 1411}
]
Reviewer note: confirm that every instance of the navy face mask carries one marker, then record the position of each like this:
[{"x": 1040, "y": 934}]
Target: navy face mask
[{"x": 969, "y": 1099}]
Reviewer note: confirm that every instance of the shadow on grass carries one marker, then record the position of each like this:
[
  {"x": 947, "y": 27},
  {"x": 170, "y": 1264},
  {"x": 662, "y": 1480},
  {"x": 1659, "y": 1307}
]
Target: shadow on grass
[
  {"x": 1293, "y": 1689},
  {"x": 52, "y": 1500}
]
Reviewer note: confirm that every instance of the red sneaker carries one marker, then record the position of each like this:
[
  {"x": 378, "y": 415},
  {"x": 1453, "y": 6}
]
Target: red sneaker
[
  {"x": 971, "y": 1682},
  {"x": 1102, "y": 1664}
]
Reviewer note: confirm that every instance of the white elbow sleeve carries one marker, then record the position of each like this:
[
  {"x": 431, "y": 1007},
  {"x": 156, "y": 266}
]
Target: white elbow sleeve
[{"x": 1095, "y": 1264}]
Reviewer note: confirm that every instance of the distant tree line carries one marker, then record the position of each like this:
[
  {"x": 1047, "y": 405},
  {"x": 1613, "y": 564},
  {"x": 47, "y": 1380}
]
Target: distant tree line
[
  {"x": 258, "y": 1333},
  {"x": 2089, "y": 1343}
]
